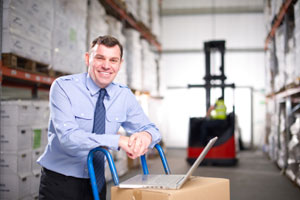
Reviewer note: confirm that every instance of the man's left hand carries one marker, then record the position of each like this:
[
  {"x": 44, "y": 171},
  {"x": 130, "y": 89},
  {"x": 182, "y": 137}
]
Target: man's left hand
[{"x": 139, "y": 143}]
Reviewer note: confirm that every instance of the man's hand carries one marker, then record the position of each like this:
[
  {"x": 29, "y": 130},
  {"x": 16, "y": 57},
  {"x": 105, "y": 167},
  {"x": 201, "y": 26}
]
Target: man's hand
[
  {"x": 139, "y": 143},
  {"x": 136, "y": 145},
  {"x": 123, "y": 144}
]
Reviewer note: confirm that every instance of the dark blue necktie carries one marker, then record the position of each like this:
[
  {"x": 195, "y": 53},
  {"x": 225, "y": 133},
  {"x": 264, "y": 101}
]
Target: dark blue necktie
[{"x": 99, "y": 128}]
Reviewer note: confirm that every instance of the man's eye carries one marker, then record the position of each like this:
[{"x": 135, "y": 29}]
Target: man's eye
[{"x": 114, "y": 60}]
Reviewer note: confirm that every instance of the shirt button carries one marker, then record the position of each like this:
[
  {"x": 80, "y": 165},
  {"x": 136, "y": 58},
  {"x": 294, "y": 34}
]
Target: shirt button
[
  {"x": 76, "y": 79},
  {"x": 82, "y": 114},
  {"x": 117, "y": 118},
  {"x": 65, "y": 124}
]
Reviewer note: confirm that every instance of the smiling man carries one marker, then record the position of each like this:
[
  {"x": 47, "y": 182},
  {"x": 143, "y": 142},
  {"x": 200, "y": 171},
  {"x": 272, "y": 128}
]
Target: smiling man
[{"x": 86, "y": 111}]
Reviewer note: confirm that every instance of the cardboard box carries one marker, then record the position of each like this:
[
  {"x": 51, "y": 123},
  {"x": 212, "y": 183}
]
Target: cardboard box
[
  {"x": 13, "y": 163},
  {"x": 35, "y": 181},
  {"x": 15, "y": 186},
  {"x": 197, "y": 188},
  {"x": 15, "y": 138},
  {"x": 16, "y": 113},
  {"x": 35, "y": 155}
]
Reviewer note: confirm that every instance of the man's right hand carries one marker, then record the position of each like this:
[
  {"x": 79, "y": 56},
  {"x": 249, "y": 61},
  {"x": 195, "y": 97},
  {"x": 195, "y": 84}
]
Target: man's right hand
[{"x": 123, "y": 144}]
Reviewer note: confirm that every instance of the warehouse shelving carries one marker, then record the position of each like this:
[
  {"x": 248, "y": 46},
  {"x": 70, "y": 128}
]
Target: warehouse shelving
[
  {"x": 279, "y": 18},
  {"x": 27, "y": 79},
  {"x": 283, "y": 104},
  {"x": 114, "y": 7}
]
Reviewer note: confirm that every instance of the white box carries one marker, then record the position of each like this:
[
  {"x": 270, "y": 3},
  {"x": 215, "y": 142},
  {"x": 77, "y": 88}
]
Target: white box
[
  {"x": 13, "y": 163},
  {"x": 16, "y": 113},
  {"x": 15, "y": 186},
  {"x": 15, "y": 138},
  {"x": 14, "y": 44},
  {"x": 35, "y": 155},
  {"x": 35, "y": 181}
]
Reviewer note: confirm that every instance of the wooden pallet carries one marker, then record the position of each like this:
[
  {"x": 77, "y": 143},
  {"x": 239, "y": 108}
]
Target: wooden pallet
[{"x": 18, "y": 62}]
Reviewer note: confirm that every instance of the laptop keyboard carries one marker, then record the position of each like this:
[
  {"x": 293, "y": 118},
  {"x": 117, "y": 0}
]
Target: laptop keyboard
[{"x": 165, "y": 180}]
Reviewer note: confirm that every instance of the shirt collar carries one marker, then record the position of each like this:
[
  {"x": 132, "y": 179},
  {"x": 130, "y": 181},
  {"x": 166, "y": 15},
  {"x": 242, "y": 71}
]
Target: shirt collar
[{"x": 94, "y": 88}]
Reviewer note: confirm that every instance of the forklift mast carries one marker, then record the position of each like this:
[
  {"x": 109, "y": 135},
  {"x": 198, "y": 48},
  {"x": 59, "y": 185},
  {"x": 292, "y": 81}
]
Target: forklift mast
[{"x": 209, "y": 47}]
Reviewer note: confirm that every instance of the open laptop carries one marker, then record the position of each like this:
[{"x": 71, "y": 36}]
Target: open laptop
[{"x": 164, "y": 181}]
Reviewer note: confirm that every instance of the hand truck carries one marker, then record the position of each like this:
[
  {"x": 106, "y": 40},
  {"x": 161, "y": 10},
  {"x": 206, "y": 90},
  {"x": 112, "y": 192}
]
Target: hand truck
[{"x": 113, "y": 169}]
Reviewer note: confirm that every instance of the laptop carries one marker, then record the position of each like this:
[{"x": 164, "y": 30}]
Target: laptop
[{"x": 164, "y": 181}]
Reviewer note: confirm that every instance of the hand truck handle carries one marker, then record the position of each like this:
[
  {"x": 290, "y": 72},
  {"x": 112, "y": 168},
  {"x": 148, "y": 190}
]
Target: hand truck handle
[
  {"x": 112, "y": 167},
  {"x": 162, "y": 157}
]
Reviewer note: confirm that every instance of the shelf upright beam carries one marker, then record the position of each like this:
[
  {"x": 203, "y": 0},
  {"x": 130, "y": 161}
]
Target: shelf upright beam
[
  {"x": 279, "y": 19},
  {"x": 133, "y": 23}
]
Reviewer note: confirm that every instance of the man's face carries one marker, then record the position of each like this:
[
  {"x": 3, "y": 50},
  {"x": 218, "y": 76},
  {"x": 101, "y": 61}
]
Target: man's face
[{"x": 103, "y": 64}]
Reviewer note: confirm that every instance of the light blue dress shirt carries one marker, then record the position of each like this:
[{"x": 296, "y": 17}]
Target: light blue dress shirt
[{"x": 72, "y": 103}]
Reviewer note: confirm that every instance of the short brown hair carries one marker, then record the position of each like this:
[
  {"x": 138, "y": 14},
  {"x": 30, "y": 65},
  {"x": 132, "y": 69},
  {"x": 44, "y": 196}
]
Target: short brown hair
[{"x": 108, "y": 41}]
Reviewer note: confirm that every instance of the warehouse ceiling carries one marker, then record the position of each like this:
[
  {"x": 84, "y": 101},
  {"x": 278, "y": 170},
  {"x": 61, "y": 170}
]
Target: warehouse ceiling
[{"x": 197, "y": 7}]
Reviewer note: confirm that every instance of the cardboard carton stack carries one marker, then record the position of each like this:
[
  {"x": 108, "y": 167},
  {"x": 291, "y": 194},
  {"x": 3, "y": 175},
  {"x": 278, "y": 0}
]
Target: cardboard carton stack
[
  {"x": 149, "y": 69},
  {"x": 134, "y": 59},
  {"x": 297, "y": 39},
  {"x": 23, "y": 138},
  {"x": 143, "y": 12},
  {"x": 132, "y": 8},
  {"x": 293, "y": 165},
  {"x": 97, "y": 23},
  {"x": 27, "y": 29},
  {"x": 69, "y": 36},
  {"x": 154, "y": 8}
]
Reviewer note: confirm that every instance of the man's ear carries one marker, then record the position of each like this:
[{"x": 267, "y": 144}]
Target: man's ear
[
  {"x": 121, "y": 63},
  {"x": 87, "y": 57}
]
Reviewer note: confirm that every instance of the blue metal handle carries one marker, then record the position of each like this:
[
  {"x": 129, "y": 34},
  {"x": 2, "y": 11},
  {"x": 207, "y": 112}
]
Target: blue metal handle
[
  {"x": 112, "y": 167},
  {"x": 163, "y": 160}
]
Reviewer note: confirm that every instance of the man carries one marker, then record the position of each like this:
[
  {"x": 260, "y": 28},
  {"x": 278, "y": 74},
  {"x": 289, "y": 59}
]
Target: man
[
  {"x": 217, "y": 121},
  {"x": 219, "y": 110},
  {"x": 71, "y": 132}
]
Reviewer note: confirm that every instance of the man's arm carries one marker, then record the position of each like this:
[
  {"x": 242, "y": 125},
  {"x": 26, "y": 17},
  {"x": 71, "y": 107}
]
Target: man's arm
[
  {"x": 144, "y": 133},
  {"x": 72, "y": 138}
]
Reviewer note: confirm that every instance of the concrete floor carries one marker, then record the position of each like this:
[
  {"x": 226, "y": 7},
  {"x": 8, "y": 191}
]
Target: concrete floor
[{"x": 254, "y": 178}]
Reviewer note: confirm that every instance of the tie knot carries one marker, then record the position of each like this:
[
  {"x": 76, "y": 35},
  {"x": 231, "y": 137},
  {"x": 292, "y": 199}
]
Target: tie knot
[{"x": 102, "y": 94}]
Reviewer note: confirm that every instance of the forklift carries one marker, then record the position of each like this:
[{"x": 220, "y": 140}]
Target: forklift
[{"x": 224, "y": 151}]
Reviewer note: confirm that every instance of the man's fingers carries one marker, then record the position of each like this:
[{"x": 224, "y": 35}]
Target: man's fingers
[
  {"x": 138, "y": 144},
  {"x": 131, "y": 140}
]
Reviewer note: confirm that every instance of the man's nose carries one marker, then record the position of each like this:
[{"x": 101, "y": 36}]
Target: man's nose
[{"x": 105, "y": 64}]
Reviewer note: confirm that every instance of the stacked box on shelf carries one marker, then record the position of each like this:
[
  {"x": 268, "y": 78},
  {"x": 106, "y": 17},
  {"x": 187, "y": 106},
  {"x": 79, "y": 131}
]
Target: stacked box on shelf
[
  {"x": 69, "y": 36},
  {"x": 267, "y": 15},
  {"x": 134, "y": 59},
  {"x": 27, "y": 29},
  {"x": 149, "y": 69},
  {"x": 297, "y": 37},
  {"x": 293, "y": 166},
  {"x": 273, "y": 137},
  {"x": 280, "y": 78},
  {"x": 132, "y": 8},
  {"x": 97, "y": 23},
  {"x": 22, "y": 133},
  {"x": 143, "y": 12},
  {"x": 162, "y": 83},
  {"x": 282, "y": 140},
  {"x": 290, "y": 63},
  {"x": 269, "y": 60},
  {"x": 115, "y": 29},
  {"x": 154, "y": 17}
]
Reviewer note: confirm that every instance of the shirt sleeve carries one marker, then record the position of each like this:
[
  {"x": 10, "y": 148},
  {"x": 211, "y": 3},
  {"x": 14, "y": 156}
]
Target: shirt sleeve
[
  {"x": 137, "y": 120},
  {"x": 69, "y": 134}
]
